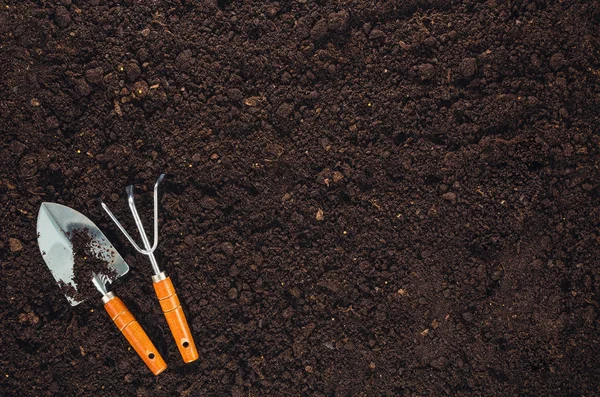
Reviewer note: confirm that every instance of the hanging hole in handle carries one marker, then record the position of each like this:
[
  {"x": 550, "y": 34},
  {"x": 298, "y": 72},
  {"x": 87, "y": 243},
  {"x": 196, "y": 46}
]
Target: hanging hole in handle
[
  {"x": 186, "y": 343},
  {"x": 151, "y": 356}
]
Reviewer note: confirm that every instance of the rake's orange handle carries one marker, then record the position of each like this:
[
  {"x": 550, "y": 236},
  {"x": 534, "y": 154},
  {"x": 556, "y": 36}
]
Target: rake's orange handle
[
  {"x": 132, "y": 330},
  {"x": 169, "y": 302}
]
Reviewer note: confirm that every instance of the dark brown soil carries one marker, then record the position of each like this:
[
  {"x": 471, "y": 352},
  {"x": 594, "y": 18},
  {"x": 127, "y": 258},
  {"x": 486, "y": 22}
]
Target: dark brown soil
[{"x": 364, "y": 197}]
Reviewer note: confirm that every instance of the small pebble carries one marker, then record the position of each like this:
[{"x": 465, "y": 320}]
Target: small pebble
[
  {"x": 320, "y": 216},
  {"x": 337, "y": 176},
  {"x": 15, "y": 245},
  {"x": 233, "y": 293},
  {"x": 252, "y": 101}
]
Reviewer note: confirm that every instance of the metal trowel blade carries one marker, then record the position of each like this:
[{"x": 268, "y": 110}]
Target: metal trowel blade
[{"x": 54, "y": 224}]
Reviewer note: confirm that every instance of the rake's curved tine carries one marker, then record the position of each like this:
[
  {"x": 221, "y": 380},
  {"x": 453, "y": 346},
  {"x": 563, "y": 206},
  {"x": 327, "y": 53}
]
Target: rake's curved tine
[
  {"x": 121, "y": 228},
  {"x": 138, "y": 222},
  {"x": 158, "y": 181}
]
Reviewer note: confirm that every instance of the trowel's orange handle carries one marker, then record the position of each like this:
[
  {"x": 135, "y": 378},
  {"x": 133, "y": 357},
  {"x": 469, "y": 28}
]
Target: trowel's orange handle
[
  {"x": 169, "y": 302},
  {"x": 136, "y": 336}
]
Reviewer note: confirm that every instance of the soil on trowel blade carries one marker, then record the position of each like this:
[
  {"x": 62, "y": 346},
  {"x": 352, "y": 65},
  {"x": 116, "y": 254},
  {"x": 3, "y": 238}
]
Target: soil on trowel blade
[
  {"x": 88, "y": 262},
  {"x": 363, "y": 197}
]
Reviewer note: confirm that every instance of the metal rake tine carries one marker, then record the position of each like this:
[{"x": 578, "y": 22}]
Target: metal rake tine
[
  {"x": 138, "y": 222},
  {"x": 121, "y": 228}
]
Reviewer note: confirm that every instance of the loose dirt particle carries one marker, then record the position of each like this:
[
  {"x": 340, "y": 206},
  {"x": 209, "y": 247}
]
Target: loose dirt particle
[
  {"x": 319, "y": 30},
  {"x": 426, "y": 71},
  {"x": 450, "y": 196},
  {"x": 468, "y": 67},
  {"x": 337, "y": 176},
  {"x": 557, "y": 61},
  {"x": 252, "y": 101},
  {"x": 83, "y": 87},
  {"x": 320, "y": 216},
  {"x": 140, "y": 89},
  {"x": 439, "y": 363},
  {"x": 376, "y": 34},
  {"x": 132, "y": 71},
  {"x": 235, "y": 94},
  {"x": 338, "y": 21},
  {"x": 62, "y": 17},
  {"x": 29, "y": 317},
  {"x": 15, "y": 245},
  {"x": 285, "y": 110},
  {"x": 117, "y": 108},
  {"x": 94, "y": 76}
]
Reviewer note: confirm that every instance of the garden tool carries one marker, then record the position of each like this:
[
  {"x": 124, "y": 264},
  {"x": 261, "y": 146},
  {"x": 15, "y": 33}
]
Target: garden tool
[
  {"x": 55, "y": 224},
  {"x": 163, "y": 286}
]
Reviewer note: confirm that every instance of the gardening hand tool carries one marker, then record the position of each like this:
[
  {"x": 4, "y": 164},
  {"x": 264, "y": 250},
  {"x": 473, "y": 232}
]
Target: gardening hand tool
[
  {"x": 55, "y": 224},
  {"x": 163, "y": 286}
]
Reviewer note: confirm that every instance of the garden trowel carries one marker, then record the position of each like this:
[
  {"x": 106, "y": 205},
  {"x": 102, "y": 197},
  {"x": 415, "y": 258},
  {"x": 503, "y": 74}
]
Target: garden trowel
[{"x": 55, "y": 224}]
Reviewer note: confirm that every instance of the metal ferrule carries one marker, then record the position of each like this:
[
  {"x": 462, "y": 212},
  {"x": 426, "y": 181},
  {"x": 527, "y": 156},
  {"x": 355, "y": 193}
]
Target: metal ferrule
[
  {"x": 159, "y": 277},
  {"x": 108, "y": 297}
]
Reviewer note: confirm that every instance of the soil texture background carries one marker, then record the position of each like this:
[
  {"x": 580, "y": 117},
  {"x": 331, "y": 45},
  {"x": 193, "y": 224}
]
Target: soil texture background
[{"x": 365, "y": 198}]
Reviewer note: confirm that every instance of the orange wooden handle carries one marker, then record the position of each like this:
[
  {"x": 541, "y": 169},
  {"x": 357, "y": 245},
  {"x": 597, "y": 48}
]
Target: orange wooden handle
[
  {"x": 169, "y": 302},
  {"x": 136, "y": 336}
]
